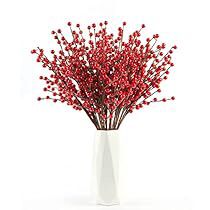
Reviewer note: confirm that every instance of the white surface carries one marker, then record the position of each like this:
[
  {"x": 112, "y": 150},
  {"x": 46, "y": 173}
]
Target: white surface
[
  {"x": 106, "y": 167},
  {"x": 46, "y": 148}
]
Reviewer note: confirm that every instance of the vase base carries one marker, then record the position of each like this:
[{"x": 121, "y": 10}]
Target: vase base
[{"x": 108, "y": 204}]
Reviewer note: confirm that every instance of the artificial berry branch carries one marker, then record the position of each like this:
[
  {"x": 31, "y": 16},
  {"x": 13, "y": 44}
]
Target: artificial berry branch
[{"x": 105, "y": 75}]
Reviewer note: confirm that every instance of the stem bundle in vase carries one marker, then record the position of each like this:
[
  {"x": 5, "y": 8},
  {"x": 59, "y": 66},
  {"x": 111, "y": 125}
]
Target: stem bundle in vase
[{"x": 104, "y": 74}]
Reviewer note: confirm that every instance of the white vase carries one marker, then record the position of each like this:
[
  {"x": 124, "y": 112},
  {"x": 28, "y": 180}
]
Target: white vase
[{"x": 106, "y": 167}]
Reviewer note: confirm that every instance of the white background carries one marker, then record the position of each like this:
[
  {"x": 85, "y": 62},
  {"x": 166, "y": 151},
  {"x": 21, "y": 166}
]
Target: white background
[{"x": 46, "y": 148}]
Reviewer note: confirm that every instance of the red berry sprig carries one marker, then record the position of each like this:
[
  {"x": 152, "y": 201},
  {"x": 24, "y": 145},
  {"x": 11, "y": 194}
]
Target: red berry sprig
[{"x": 105, "y": 75}]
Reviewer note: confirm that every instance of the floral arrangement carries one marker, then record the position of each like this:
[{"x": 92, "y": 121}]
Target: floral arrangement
[{"x": 105, "y": 75}]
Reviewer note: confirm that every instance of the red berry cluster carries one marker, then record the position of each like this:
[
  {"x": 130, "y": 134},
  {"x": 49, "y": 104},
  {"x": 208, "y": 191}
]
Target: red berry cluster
[{"x": 104, "y": 75}]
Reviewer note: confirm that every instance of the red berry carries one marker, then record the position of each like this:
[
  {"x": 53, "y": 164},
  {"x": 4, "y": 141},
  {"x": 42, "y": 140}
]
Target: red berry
[
  {"x": 59, "y": 31},
  {"x": 124, "y": 23},
  {"x": 156, "y": 36},
  {"x": 69, "y": 24},
  {"x": 33, "y": 51},
  {"x": 163, "y": 45},
  {"x": 164, "y": 99},
  {"x": 77, "y": 25},
  {"x": 143, "y": 26},
  {"x": 172, "y": 98},
  {"x": 39, "y": 99}
]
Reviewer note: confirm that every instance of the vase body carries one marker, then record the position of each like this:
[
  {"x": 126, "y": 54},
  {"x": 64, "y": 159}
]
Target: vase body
[{"x": 106, "y": 167}]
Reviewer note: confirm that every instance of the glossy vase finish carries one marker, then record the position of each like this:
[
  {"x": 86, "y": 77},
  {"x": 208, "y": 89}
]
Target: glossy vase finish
[{"x": 106, "y": 167}]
